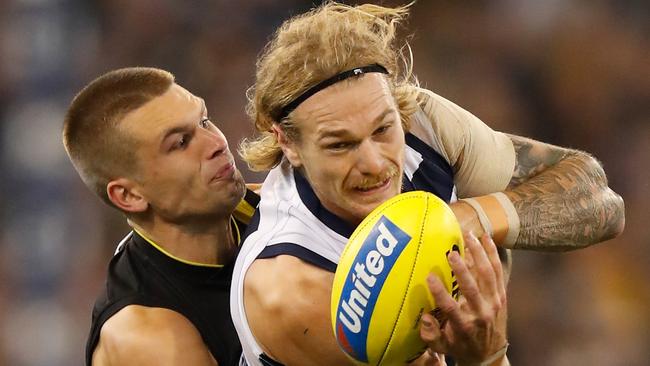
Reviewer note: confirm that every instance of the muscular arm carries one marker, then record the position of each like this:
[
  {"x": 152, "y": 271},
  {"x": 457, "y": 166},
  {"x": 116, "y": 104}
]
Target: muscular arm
[
  {"x": 287, "y": 304},
  {"x": 139, "y": 335},
  {"x": 561, "y": 197}
]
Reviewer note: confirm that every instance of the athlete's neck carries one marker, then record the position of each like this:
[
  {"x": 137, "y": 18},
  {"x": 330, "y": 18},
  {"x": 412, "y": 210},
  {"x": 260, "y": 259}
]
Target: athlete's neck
[{"x": 211, "y": 245}]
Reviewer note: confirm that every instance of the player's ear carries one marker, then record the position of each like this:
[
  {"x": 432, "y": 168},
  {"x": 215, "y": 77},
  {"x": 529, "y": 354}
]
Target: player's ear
[
  {"x": 288, "y": 147},
  {"x": 125, "y": 195}
]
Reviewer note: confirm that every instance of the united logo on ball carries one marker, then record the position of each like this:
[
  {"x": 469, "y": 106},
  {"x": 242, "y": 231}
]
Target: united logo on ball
[{"x": 380, "y": 290}]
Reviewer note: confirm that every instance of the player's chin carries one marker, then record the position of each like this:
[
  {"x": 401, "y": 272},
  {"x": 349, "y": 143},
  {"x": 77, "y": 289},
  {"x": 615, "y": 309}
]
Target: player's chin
[
  {"x": 366, "y": 201},
  {"x": 229, "y": 190},
  {"x": 240, "y": 184}
]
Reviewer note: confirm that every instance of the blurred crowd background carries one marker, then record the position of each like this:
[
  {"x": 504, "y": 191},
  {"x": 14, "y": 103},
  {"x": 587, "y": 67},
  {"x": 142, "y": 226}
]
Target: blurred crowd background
[{"x": 570, "y": 72}]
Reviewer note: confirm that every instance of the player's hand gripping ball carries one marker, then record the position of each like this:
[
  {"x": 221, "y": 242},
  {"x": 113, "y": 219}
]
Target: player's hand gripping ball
[{"x": 380, "y": 289}]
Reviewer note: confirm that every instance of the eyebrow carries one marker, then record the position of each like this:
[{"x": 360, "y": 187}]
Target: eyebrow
[
  {"x": 171, "y": 131},
  {"x": 342, "y": 132},
  {"x": 183, "y": 128}
]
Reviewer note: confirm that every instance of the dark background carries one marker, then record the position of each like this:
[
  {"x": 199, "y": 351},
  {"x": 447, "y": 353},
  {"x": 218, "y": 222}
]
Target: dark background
[{"x": 570, "y": 72}]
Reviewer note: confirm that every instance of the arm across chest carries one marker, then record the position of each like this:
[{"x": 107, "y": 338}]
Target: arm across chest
[{"x": 287, "y": 304}]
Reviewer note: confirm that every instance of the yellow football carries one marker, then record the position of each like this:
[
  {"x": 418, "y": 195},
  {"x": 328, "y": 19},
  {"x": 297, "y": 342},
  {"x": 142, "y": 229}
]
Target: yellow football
[{"x": 380, "y": 290}]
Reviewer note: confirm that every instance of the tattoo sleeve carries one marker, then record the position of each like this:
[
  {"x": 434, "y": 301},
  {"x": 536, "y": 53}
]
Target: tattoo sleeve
[{"x": 562, "y": 198}]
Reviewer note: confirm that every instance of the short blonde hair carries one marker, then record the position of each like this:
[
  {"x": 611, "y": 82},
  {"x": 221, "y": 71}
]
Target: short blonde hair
[
  {"x": 313, "y": 47},
  {"x": 92, "y": 136}
]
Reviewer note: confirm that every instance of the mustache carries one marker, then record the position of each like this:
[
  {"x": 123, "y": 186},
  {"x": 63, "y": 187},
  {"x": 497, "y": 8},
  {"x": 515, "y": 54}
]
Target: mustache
[{"x": 369, "y": 182}]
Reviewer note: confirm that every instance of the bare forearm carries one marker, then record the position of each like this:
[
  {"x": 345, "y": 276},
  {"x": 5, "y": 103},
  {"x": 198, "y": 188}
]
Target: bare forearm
[{"x": 566, "y": 206}]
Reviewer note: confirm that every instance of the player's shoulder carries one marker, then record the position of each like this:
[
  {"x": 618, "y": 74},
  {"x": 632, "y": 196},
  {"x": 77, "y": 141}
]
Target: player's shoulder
[
  {"x": 423, "y": 96},
  {"x": 141, "y": 335},
  {"x": 430, "y": 101}
]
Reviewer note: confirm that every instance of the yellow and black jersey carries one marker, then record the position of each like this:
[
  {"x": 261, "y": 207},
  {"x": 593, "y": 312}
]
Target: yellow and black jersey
[
  {"x": 246, "y": 208},
  {"x": 142, "y": 273}
]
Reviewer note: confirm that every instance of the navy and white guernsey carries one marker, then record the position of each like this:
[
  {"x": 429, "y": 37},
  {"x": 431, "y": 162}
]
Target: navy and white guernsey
[{"x": 291, "y": 221}]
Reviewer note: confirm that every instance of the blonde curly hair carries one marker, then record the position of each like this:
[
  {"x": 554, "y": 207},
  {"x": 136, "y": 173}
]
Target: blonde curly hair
[{"x": 313, "y": 47}]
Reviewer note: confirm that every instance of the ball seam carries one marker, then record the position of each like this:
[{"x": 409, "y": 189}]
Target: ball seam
[{"x": 410, "y": 280}]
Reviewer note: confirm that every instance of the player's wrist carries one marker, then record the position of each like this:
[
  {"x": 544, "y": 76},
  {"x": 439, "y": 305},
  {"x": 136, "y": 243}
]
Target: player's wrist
[
  {"x": 496, "y": 359},
  {"x": 467, "y": 218},
  {"x": 498, "y": 217}
]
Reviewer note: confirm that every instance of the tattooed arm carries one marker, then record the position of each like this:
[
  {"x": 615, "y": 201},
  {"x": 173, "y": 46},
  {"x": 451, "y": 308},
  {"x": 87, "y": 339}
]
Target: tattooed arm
[
  {"x": 560, "y": 195},
  {"x": 562, "y": 198}
]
